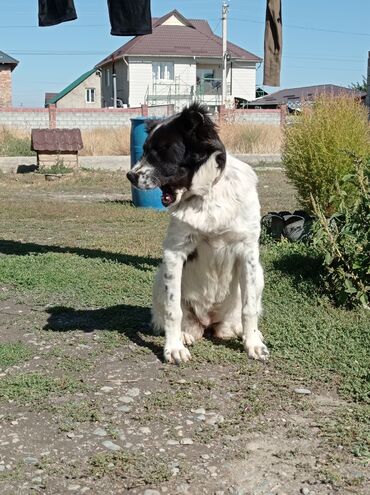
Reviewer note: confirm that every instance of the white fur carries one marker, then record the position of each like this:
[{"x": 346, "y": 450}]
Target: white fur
[
  {"x": 145, "y": 175},
  {"x": 219, "y": 217}
]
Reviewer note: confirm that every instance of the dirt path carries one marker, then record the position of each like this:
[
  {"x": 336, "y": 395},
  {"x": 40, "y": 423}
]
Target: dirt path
[{"x": 109, "y": 417}]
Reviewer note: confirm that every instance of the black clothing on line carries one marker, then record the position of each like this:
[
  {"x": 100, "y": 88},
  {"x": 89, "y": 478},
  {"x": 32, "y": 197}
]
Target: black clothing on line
[{"x": 127, "y": 17}]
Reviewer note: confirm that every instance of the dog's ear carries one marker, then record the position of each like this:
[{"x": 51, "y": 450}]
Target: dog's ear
[
  {"x": 150, "y": 124},
  {"x": 194, "y": 116}
]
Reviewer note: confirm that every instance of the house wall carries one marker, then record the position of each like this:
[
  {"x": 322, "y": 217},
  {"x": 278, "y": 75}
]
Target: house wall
[
  {"x": 243, "y": 80},
  {"x": 77, "y": 97},
  {"x": 5, "y": 86},
  {"x": 140, "y": 78}
]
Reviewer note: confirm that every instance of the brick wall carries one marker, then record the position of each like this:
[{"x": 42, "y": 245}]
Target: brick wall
[
  {"x": 82, "y": 118},
  {"x": 5, "y": 86}
]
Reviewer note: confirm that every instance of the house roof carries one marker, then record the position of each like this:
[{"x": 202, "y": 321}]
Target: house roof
[
  {"x": 285, "y": 96},
  {"x": 184, "y": 37},
  {"x": 56, "y": 140},
  {"x": 69, "y": 88},
  {"x": 8, "y": 60}
]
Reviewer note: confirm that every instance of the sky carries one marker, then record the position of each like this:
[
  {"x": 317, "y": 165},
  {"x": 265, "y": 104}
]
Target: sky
[{"x": 324, "y": 41}]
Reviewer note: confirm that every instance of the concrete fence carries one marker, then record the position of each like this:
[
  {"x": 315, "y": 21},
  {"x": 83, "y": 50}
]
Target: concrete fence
[
  {"x": 254, "y": 115},
  {"x": 82, "y": 118},
  {"x": 93, "y": 118}
]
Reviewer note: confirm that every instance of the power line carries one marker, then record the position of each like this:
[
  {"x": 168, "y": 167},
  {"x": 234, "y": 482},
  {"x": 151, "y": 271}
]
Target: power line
[{"x": 305, "y": 28}]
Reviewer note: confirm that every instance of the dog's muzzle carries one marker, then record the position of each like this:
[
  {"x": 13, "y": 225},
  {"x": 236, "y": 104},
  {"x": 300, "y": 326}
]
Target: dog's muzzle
[{"x": 142, "y": 176}]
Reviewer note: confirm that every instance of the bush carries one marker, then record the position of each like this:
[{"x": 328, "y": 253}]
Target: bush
[
  {"x": 344, "y": 240},
  {"x": 14, "y": 143},
  {"x": 316, "y": 148}
]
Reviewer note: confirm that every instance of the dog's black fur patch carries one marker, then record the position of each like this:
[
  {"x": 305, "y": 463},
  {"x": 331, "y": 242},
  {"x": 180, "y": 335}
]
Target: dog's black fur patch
[{"x": 180, "y": 145}]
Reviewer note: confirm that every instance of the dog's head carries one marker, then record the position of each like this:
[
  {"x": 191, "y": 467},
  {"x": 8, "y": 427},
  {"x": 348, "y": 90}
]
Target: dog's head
[{"x": 175, "y": 150}]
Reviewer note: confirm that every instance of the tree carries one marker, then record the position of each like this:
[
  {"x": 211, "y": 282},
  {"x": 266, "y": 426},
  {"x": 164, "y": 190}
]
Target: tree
[{"x": 359, "y": 86}]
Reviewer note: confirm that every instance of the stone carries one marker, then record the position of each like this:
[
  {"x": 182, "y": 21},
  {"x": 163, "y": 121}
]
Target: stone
[
  {"x": 302, "y": 391},
  {"x": 186, "y": 441},
  {"x": 173, "y": 442},
  {"x": 100, "y": 432},
  {"x": 305, "y": 491},
  {"x": 125, "y": 409},
  {"x": 145, "y": 430},
  {"x": 125, "y": 399},
  {"x": 111, "y": 446},
  {"x": 31, "y": 460},
  {"x": 133, "y": 392},
  {"x": 201, "y": 410},
  {"x": 149, "y": 491},
  {"x": 106, "y": 389},
  {"x": 74, "y": 488}
]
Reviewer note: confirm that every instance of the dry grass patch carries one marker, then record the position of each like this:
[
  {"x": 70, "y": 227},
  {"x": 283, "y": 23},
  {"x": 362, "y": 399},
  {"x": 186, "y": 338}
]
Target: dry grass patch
[
  {"x": 106, "y": 142},
  {"x": 251, "y": 138}
]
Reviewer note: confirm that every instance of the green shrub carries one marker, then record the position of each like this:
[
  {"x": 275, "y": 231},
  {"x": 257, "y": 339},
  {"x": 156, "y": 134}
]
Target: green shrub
[
  {"x": 344, "y": 240},
  {"x": 317, "y": 147},
  {"x": 14, "y": 144}
]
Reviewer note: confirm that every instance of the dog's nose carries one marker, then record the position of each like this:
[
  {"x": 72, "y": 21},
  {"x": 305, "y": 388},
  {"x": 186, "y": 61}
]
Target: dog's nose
[{"x": 131, "y": 176}]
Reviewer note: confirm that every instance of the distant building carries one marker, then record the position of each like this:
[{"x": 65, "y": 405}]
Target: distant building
[
  {"x": 7, "y": 65},
  {"x": 180, "y": 62},
  {"x": 294, "y": 97},
  {"x": 84, "y": 92}
]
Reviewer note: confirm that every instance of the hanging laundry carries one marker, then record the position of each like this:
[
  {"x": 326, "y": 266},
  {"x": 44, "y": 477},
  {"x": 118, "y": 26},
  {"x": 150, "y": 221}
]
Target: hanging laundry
[
  {"x": 273, "y": 43},
  {"x": 53, "y": 12},
  {"x": 130, "y": 17},
  {"x": 127, "y": 17}
]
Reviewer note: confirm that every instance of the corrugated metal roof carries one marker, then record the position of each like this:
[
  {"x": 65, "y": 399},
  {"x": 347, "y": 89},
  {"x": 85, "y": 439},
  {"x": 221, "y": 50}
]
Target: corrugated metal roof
[
  {"x": 7, "y": 59},
  {"x": 72, "y": 86},
  {"x": 56, "y": 140},
  {"x": 195, "y": 39},
  {"x": 304, "y": 93}
]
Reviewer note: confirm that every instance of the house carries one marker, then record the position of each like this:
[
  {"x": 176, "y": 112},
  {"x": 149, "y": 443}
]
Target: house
[
  {"x": 7, "y": 65},
  {"x": 179, "y": 62},
  {"x": 293, "y": 97},
  {"x": 84, "y": 92}
]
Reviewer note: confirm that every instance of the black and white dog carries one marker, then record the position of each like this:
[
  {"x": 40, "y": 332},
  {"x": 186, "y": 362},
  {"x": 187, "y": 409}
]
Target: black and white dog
[{"x": 211, "y": 277}]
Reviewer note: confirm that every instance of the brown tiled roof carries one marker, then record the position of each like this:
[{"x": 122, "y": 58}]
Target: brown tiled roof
[
  {"x": 305, "y": 93},
  {"x": 56, "y": 140},
  {"x": 193, "y": 39}
]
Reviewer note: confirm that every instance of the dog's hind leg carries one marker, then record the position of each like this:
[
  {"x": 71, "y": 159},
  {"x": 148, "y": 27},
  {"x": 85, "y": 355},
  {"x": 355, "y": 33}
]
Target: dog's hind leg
[{"x": 191, "y": 328}]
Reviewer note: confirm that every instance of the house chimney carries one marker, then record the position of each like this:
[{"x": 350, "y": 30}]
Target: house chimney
[{"x": 7, "y": 65}]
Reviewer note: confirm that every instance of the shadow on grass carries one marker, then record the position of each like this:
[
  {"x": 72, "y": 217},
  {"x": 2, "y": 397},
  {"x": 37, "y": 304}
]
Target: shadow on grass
[
  {"x": 18, "y": 248},
  {"x": 131, "y": 321},
  {"x": 301, "y": 268}
]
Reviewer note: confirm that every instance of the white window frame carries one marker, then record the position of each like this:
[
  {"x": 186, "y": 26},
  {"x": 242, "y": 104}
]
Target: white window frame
[
  {"x": 163, "y": 71},
  {"x": 90, "y": 94}
]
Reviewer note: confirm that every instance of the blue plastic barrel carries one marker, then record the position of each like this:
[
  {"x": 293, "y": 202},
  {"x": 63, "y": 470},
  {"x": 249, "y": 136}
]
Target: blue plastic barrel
[{"x": 150, "y": 198}]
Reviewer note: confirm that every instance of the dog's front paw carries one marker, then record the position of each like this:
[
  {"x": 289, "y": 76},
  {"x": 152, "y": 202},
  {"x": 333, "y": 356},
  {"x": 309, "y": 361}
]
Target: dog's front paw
[
  {"x": 255, "y": 347},
  {"x": 176, "y": 353}
]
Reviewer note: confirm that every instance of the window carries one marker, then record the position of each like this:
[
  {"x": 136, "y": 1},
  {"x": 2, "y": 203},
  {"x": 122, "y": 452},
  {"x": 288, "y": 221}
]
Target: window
[
  {"x": 107, "y": 77},
  {"x": 163, "y": 71},
  {"x": 90, "y": 95}
]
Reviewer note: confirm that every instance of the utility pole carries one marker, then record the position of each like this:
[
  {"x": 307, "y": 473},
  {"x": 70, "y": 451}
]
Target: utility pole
[{"x": 225, "y": 11}]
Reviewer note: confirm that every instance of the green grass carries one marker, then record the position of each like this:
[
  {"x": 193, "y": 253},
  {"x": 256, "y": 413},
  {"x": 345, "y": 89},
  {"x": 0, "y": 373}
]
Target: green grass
[
  {"x": 14, "y": 353},
  {"x": 33, "y": 387},
  {"x": 133, "y": 469},
  {"x": 306, "y": 334}
]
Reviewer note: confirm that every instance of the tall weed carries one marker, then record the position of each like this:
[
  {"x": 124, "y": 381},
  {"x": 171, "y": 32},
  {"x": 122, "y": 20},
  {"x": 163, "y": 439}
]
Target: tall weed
[{"x": 317, "y": 147}]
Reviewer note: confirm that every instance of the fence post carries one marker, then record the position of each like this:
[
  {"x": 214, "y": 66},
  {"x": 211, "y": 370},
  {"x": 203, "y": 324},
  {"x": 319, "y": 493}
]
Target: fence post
[
  {"x": 52, "y": 116},
  {"x": 144, "y": 111},
  {"x": 222, "y": 113},
  {"x": 283, "y": 114}
]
